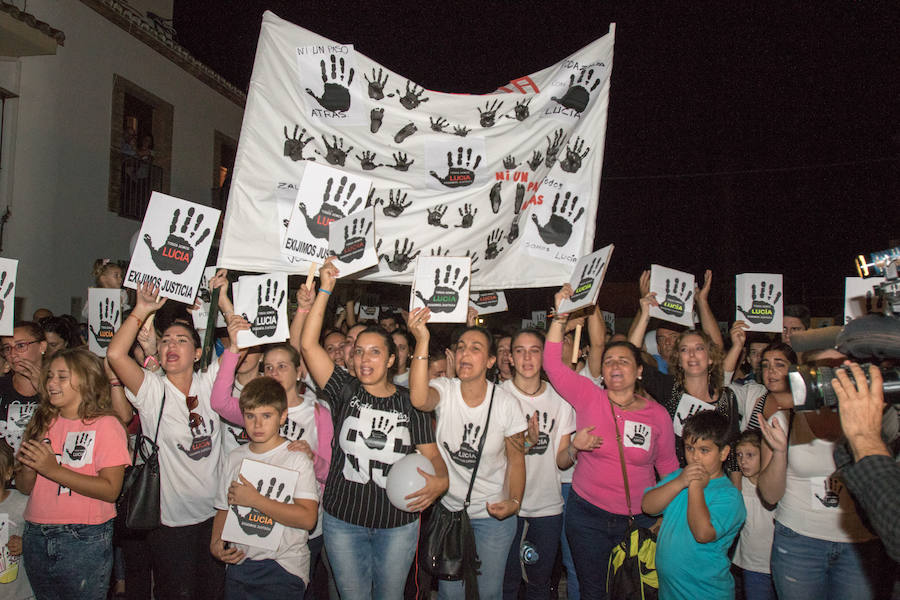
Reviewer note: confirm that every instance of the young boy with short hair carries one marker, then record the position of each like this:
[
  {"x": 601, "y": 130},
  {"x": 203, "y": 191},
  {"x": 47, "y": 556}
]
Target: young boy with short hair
[
  {"x": 258, "y": 572},
  {"x": 702, "y": 513}
]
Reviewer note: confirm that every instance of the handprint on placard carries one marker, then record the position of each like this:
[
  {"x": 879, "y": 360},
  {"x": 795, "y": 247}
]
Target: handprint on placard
[
  {"x": 332, "y": 209},
  {"x": 82, "y": 443},
  {"x": 488, "y": 116},
  {"x": 578, "y": 95},
  {"x": 639, "y": 437},
  {"x": 376, "y": 119},
  {"x": 588, "y": 274},
  {"x": 399, "y": 262},
  {"x": 461, "y": 130},
  {"x": 520, "y": 111},
  {"x": 9, "y": 290},
  {"x": 294, "y": 145},
  {"x": 355, "y": 236},
  {"x": 762, "y": 309},
  {"x": 676, "y": 299},
  {"x": 517, "y": 210},
  {"x": 176, "y": 253},
  {"x": 445, "y": 296},
  {"x": 405, "y": 131},
  {"x": 292, "y": 430},
  {"x": 558, "y": 228},
  {"x": 109, "y": 314},
  {"x": 367, "y": 161},
  {"x": 575, "y": 153},
  {"x": 543, "y": 441},
  {"x": 438, "y": 124},
  {"x": 554, "y": 146},
  {"x": 396, "y": 204},
  {"x": 266, "y": 321},
  {"x": 201, "y": 442},
  {"x": 335, "y": 153},
  {"x": 466, "y": 455},
  {"x": 401, "y": 161},
  {"x": 463, "y": 173},
  {"x": 378, "y": 434},
  {"x": 258, "y": 523},
  {"x": 413, "y": 96},
  {"x": 335, "y": 91},
  {"x": 376, "y": 84},
  {"x": 467, "y": 216},
  {"x": 536, "y": 159},
  {"x": 832, "y": 497},
  {"x": 493, "y": 249}
]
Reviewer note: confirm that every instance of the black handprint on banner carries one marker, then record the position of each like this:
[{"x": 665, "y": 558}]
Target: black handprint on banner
[
  {"x": 488, "y": 116},
  {"x": 405, "y": 131},
  {"x": 201, "y": 444},
  {"x": 554, "y": 146},
  {"x": 293, "y": 145},
  {"x": 676, "y": 300},
  {"x": 493, "y": 249},
  {"x": 355, "y": 236},
  {"x": 335, "y": 93},
  {"x": 376, "y": 84},
  {"x": 439, "y": 252},
  {"x": 445, "y": 297},
  {"x": 401, "y": 259},
  {"x": 266, "y": 321},
  {"x": 574, "y": 155},
  {"x": 832, "y": 497},
  {"x": 396, "y": 204},
  {"x": 436, "y": 214},
  {"x": 413, "y": 96},
  {"x": 543, "y": 441},
  {"x": 82, "y": 441},
  {"x": 463, "y": 173},
  {"x": 292, "y": 430},
  {"x": 762, "y": 310},
  {"x": 401, "y": 162},
  {"x": 588, "y": 274},
  {"x": 377, "y": 438},
  {"x": 510, "y": 162},
  {"x": 639, "y": 438},
  {"x": 258, "y": 523},
  {"x": 176, "y": 253},
  {"x": 466, "y": 455},
  {"x": 473, "y": 256},
  {"x": 335, "y": 153},
  {"x": 467, "y": 215},
  {"x": 6, "y": 294},
  {"x": 579, "y": 93},
  {"x": 520, "y": 110},
  {"x": 332, "y": 209},
  {"x": 371, "y": 200},
  {"x": 536, "y": 159},
  {"x": 109, "y": 314},
  {"x": 438, "y": 124},
  {"x": 517, "y": 209},
  {"x": 461, "y": 130},
  {"x": 558, "y": 228},
  {"x": 376, "y": 119},
  {"x": 367, "y": 161}
]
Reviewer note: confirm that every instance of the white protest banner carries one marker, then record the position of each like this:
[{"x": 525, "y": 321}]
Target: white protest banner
[
  {"x": 488, "y": 302},
  {"x": 759, "y": 301},
  {"x": 245, "y": 525},
  {"x": 610, "y": 319},
  {"x": 201, "y": 315},
  {"x": 261, "y": 300},
  {"x": 675, "y": 294},
  {"x": 326, "y": 194},
  {"x": 352, "y": 240},
  {"x": 441, "y": 284},
  {"x": 104, "y": 317},
  {"x": 512, "y": 176},
  {"x": 8, "y": 270},
  {"x": 175, "y": 239},
  {"x": 860, "y": 297},
  {"x": 587, "y": 279}
]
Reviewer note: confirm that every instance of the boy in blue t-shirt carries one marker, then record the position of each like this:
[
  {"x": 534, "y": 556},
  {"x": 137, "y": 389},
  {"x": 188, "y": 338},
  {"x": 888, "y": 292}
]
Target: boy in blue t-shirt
[{"x": 702, "y": 513}]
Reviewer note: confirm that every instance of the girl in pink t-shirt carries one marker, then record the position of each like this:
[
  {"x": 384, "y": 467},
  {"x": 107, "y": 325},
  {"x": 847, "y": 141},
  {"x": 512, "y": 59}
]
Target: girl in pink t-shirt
[{"x": 74, "y": 455}]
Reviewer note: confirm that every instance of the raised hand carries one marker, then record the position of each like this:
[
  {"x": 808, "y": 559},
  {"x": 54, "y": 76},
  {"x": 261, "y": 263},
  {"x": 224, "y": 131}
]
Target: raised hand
[{"x": 148, "y": 299}]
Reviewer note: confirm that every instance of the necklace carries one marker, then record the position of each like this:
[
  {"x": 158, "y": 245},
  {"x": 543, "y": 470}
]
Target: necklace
[{"x": 527, "y": 393}]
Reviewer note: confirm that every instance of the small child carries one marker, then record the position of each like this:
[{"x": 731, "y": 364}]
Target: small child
[
  {"x": 754, "y": 546},
  {"x": 13, "y": 580},
  {"x": 702, "y": 513},
  {"x": 266, "y": 573},
  {"x": 107, "y": 274}
]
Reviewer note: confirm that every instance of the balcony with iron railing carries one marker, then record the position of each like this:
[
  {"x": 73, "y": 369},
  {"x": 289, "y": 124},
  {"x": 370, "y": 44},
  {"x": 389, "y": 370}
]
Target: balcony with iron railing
[{"x": 139, "y": 178}]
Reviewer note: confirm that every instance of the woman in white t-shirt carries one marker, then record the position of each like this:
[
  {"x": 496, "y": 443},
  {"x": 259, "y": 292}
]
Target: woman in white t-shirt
[
  {"x": 462, "y": 406},
  {"x": 177, "y": 402},
  {"x": 552, "y": 421}
]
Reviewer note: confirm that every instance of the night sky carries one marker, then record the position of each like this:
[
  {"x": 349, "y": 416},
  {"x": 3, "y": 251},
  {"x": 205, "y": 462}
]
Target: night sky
[{"x": 739, "y": 141}]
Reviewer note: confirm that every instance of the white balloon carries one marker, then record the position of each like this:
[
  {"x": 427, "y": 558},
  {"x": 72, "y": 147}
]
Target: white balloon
[{"x": 404, "y": 479}]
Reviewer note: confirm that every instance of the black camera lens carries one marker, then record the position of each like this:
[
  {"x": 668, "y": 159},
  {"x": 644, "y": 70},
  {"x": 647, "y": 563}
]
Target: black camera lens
[{"x": 811, "y": 386}]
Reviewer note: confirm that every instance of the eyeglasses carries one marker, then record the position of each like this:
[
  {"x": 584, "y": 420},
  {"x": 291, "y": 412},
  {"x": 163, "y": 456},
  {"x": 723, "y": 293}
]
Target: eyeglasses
[
  {"x": 193, "y": 418},
  {"x": 19, "y": 347}
]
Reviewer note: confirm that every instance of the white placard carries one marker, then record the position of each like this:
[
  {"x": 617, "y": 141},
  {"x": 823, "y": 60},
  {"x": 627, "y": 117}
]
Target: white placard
[
  {"x": 366, "y": 312},
  {"x": 104, "y": 317},
  {"x": 539, "y": 318},
  {"x": 285, "y": 197},
  {"x": 860, "y": 298},
  {"x": 759, "y": 301},
  {"x": 587, "y": 279},
  {"x": 244, "y": 525},
  {"x": 201, "y": 315},
  {"x": 261, "y": 299},
  {"x": 442, "y": 284},
  {"x": 610, "y": 319},
  {"x": 675, "y": 294},
  {"x": 326, "y": 194},
  {"x": 8, "y": 269},
  {"x": 489, "y": 302},
  {"x": 352, "y": 240},
  {"x": 173, "y": 244}
]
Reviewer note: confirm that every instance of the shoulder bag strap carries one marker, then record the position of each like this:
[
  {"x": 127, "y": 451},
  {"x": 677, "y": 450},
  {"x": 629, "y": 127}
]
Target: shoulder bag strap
[
  {"x": 480, "y": 447},
  {"x": 621, "y": 459},
  {"x": 159, "y": 420},
  {"x": 139, "y": 440}
]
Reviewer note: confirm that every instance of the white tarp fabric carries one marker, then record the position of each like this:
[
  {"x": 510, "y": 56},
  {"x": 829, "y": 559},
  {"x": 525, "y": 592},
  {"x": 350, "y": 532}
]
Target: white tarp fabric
[{"x": 510, "y": 179}]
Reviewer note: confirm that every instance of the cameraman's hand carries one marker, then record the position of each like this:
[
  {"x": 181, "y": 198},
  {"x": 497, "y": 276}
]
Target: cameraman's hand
[{"x": 861, "y": 407}]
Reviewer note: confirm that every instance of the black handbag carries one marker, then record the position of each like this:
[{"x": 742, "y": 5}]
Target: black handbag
[
  {"x": 138, "y": 503},
  {"x": 447, "y": 548}
]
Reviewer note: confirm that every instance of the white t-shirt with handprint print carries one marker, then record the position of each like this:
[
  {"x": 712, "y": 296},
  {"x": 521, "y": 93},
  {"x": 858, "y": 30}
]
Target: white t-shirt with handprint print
[{"x": 556, "y": 418}]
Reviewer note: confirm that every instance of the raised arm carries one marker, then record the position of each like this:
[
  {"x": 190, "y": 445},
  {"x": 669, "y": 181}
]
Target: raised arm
[
  {"x": 421, "y": 395},
  {"x": 597, "y": 335},
  {"x": 221, "y": 399},
  {"x": 642, "y": 319},
  {"x": 707, "y": 318},
  {"x": 305, "y": 299},
  {"x": 130, "y": 373},
  {"x": 738, "y": 338},
  {"x": 773, "y": 458},
  {"x": 317, "y": 360},
  {"x": 120, "y": 404}
]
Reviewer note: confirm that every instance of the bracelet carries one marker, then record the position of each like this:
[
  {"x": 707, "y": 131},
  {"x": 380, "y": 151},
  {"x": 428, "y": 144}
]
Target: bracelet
[
  {"x": 420, "y": 357},
  {"x": 150, "y": 358},
  {"x": 528, "y": 444},
  {"x": 324, "y": 291},
  {"x": 516, "y": 500},
  {"x": 303, "y": 310},
  {"x": 137, "y": 318},
  {"x": 115, "y": 382}
]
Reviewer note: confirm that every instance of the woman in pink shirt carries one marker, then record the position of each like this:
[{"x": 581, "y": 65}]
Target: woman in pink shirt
[{"x": 597, "y": 511}]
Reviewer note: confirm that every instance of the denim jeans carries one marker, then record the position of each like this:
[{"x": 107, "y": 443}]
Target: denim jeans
[
  {"x": 492, "y": 541},
  {"x": 261, "y": 580},
  {"x": 543, "y": 534},
  {"x": 369, "y": 563},
  {"x": 758, "y": 586},
  {"x": 592, "y": 534},
  {"x": 572, "y": 589},
  {"x": 68, "y": 561},
  {"x": 805, "y": 567}
]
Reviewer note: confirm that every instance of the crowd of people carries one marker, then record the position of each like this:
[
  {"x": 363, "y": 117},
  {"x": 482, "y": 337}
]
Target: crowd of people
[{"x": 573, "y": 440}]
